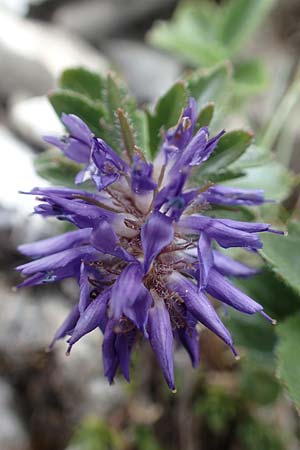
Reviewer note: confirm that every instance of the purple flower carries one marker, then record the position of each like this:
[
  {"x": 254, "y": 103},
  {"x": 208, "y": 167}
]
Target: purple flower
[{"x": 144, "y": 261}]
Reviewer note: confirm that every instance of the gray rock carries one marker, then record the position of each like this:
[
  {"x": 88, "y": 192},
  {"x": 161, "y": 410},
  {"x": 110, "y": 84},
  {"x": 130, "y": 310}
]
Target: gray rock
[
  {"x": 33, "y": 54},
  {"x": 148, "y": 72},
  {"x": 17, "y": 173},
  {"x": 34, "y": 118},
  {"x": 96, "y": 19},
  {"x": 12, "y": 433}
]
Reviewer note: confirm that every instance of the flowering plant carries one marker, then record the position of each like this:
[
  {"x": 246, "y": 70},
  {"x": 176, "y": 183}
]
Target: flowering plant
[{"x": 145, "y": 253}]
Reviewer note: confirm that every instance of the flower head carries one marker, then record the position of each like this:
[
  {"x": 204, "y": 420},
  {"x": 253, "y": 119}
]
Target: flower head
[{"x": 145, "y": 262}]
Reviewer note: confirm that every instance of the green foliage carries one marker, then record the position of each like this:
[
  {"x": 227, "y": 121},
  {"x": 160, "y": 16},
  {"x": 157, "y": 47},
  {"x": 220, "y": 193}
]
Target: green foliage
[
  {"x": 210, "y": 85},
  {"x": 83, "y": 82},
  {"x": 287, "y": 351},
  {"x": 254, "y": 435},
  {"x": 145, "y": 439},
  {"x": 56, "y": 168},
  {"x": 97, "y": 435},
  {"x": 70, "y": 102},
  {"x": 275, "y": 180},
  {"x": 230, "y": 147},
  {"x": 282, "y": 253},
  {"x": 259, "y": 386},
  {"x": 205, "y": 115},
  {"x": 218, "y": 408},
  {"x": 204, "y": 33},
  {"x": 96, "y": 100},
  {"x": 166, "y": 113}
]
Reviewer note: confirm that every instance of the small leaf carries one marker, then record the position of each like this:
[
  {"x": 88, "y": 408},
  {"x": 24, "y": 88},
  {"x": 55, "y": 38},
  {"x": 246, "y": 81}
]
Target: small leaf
[
  {"x": 117, "y": 97},
  {"x": 288, "y": 347},
  {"x": 210, "y": 85},
  {"x": 230, "y": 147},
  {"x": 205, "y": 115},
  {"x": 83, "y": 81},
  {"x": 65, "y": 101},
  {"x": 191, "y": 34},
  {"x": 250, "y": 76},
  {"x": 275, "y": 180},
  {"x": 282, "y": 253},
  {"x": 56, "y": 168},
  {"x": 240, "y": 20},
  {"x": 166, "y": 113}
]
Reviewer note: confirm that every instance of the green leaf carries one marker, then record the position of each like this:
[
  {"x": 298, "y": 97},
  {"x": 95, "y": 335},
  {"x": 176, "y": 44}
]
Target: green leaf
[
  {"x": 240, "y": 20},
  {"x": 278, "y": 299},
  {"x": 117, "y": 97},
  {"x": 230, "y": 147},
  {"x": 287, "y": 351},
  {"x": 273, "y": 178},
  {"x": 250, "y": 78},
  {"x": 236, "y": 213},
  {"x": 191, "y": 34},
  {"x": 64, "y": 101},
  {"x": 83, "y": 81},
  {"x": 210, "y": 85},
  {"x": 56, "y": 168},
  {"x": 282, "y": 253},
  {"x": 166, "y": 113},
  {"x": 205, "y": 115}
]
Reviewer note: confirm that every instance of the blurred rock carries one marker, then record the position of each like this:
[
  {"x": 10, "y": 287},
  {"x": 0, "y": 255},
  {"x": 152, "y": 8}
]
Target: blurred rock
[
  {"x": 12, "y": 433},
  {"x": 34, "y": 118},
  {"x": 17, "y": 173},
  {"x": 102, "y": 399},
  {"x": 94, "y": 19},
  {"x": 33, "y": 54},
  {"x": 140, "y": 66}
]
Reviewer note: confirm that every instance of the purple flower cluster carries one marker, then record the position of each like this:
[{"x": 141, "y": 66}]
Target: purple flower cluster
[{"x": 144, "y": 256}]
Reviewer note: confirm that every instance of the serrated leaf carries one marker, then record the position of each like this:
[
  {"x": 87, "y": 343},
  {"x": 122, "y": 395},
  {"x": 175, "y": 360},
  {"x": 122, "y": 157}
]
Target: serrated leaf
[
  {"x": 275, "y": 180},
  {"x": 210, "y": 85},
  {"x": 64, "y": 101},
  {"x": 166, "y": 114},
  {"x": 230, "y": 147},
  {"x": 191, "y": 34},
  {"x": 56, "y": 168},
  {"x": 287, "y": 351},
  {"x": 205, "y": 115},
  {"x": 117, "y": 97},
  {"x": 282, "y": 253},
  {"x": 83, "y": 81},
  {"x": 240, "y": 19}
]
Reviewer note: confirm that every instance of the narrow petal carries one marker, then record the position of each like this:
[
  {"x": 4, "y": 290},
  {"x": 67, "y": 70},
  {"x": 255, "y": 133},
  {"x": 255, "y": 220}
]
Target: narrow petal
[
  {"x": 139, "y": 311},
  {"x": 67, "y": 327},
  {"x": 156, "y": 234},
  {"x": 57, "y": 260},
  {"x": 161, "y": 340},
  {"x": 199, "y": 306},
  {"x": 104, "y": 239},
  {"x": 229, "y": 267},
  {"x": 126, "y": 289},
  {"x": 189, "y": 338},
  {"x": 84, "y": 298},
  {"x": 225, "y": 195},
  {"x": 56, "y": 244},
  {"x": 205, "y": 259},
  {"x": 220, "y": 288},
  {"x": 123, "y": 346},
  {"x": 95, "y": 315},
  {"x": 109, "y": 355},
  {"x": 77, "y": 127}
]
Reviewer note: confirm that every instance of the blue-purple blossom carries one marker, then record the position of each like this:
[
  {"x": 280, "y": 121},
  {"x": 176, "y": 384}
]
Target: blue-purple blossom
[{"x": 146, "y": 264}]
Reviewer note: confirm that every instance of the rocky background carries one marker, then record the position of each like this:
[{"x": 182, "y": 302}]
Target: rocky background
[{"x": 43, "y": 396}]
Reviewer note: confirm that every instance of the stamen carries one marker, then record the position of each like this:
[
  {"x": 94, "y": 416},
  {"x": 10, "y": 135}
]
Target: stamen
[{"x": 266, "y": 316}]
